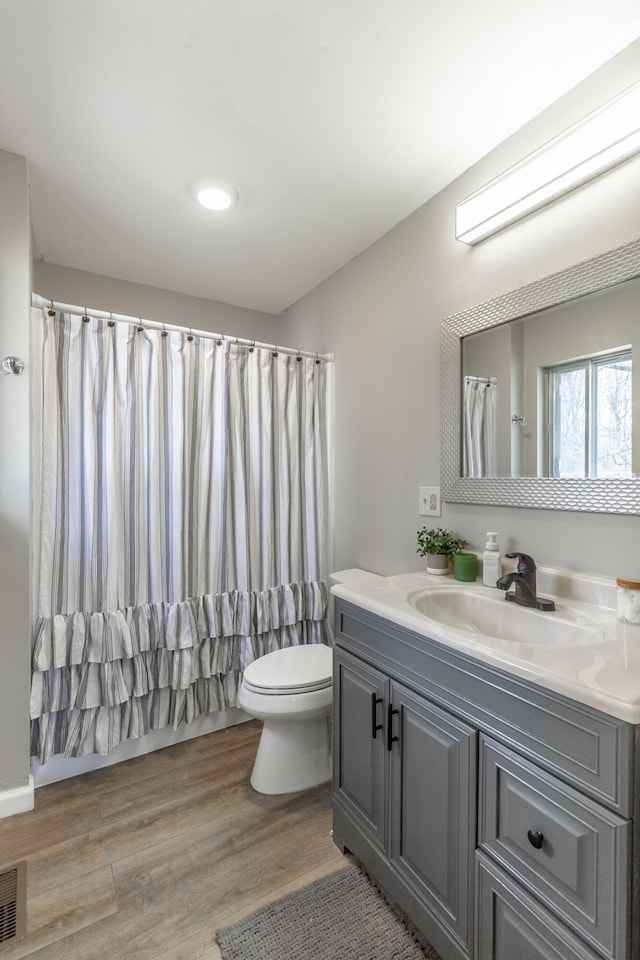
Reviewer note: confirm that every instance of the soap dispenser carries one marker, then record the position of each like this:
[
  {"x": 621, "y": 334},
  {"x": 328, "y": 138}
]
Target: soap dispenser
[{"x": 491, "y": 561}]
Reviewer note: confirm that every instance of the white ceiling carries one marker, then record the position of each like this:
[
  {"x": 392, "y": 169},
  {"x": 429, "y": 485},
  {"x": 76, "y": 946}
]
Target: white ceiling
[{"x": 334, "y": 119}]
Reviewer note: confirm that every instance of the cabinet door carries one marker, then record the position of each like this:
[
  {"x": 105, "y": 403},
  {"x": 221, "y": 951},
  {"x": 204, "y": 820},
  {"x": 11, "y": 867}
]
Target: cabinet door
[
  {"x": 360, "y": 756},
  {"x": 433, "y": 788},
  {"x": 511, "y": 925}
]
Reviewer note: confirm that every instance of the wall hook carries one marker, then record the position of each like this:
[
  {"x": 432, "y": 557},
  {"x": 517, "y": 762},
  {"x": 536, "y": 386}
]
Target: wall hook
[{"x": 12, "y": 365}]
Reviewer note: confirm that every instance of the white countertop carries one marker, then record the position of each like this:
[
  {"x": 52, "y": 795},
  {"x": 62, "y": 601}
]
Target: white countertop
[{"x": 604, "y": 673}]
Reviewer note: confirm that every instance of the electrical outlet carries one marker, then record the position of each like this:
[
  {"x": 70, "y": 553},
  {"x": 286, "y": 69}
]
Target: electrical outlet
[{"x": 429, "y": 501}]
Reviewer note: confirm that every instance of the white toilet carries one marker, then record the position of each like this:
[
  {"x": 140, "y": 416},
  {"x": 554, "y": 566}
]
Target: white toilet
[{"x": 290, "y": 690}]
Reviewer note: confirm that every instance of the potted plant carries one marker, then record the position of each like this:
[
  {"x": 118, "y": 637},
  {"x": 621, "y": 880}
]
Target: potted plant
[{"x": 438, "y": 546}]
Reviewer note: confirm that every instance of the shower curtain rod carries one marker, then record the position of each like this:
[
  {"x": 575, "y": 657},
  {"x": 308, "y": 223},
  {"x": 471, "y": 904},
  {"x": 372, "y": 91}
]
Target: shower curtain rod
[
  {"x": 481, "y": 379},
  {"x": 38, "y": 301}
]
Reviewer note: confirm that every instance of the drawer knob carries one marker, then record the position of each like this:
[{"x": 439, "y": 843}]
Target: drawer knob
[{"x": 536, "y": 838}]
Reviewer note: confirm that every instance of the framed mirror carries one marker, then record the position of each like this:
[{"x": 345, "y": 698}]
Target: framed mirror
[{"x": 539, "y": 407}]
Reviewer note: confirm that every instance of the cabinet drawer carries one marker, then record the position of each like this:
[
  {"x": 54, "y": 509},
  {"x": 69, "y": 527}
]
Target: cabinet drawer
[
  {"x": 510, "y": 924},
  {"x": 567, "y": 850}
]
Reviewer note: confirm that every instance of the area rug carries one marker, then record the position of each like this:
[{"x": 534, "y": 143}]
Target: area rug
[{"x": 340, "y": 917}]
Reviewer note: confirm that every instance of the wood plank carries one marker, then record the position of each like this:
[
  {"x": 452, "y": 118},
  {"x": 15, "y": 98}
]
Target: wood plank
[
  {"x": 183, "y": 780},
  {"x": 64, "y": 910},
  {"x": 148, "y": 765},
  {"x": 72, "y": 808},
  {"x": 158, "y": 908},
  {"x": 203, "y": 945},
  {"x": 149, "y": 823},
  {"x": 28, "y": 833},
  {"x": 204, "y": 887}
]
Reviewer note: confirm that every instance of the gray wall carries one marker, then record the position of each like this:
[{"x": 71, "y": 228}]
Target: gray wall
[
  {"x": 15, "y": 259},
  {"x": 381, "y": 316},
  {"x": 138, "y": 300}
]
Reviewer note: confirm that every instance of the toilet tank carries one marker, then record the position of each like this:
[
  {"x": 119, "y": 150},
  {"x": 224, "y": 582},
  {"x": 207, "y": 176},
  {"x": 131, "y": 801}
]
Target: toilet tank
[{"x": 346, "y": 576}]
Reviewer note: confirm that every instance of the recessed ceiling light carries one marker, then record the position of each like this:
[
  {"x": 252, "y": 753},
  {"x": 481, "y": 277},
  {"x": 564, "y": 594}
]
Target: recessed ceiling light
[{"x": 216, "y": 196}]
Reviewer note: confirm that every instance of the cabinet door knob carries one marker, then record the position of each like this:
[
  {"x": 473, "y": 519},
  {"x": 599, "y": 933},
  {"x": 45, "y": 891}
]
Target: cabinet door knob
[
  {"x": 390, "y": 715},
  {"x": 375, "y": 726},
  {"x": 536, "y": 838}
]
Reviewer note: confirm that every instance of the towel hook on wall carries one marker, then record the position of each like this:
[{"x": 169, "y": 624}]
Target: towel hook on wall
[{"x": 12, "y": 366}]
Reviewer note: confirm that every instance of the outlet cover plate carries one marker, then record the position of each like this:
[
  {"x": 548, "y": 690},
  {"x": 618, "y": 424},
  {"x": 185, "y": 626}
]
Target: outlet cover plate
[{"x": 429, "y": 501}]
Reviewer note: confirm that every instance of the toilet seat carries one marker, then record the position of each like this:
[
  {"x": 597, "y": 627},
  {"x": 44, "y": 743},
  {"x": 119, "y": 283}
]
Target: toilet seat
[{"x": 292, "y": 670}]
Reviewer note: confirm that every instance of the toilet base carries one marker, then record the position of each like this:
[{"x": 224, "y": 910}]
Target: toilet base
[{"x": 292, "y": 756}]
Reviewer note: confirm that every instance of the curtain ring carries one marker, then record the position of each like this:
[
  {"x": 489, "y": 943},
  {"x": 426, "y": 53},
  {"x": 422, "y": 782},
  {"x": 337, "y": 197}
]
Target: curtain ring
[
  {"x": 111, "y": 322},
  {"x": 252, "y": 347},
  {"x": 275, "y": 352},
  {"x": 298, "y": 357},
  {"x": 140, "y": 328},
  {"x": 85, "y": 318},
  {"x": 164, "y": 333},
  {"x": 219, "y": 342},
  {"x": 51, "y": 312},
  {"x": 190, "y": 335},
  {"x": 317, "y": 358}
]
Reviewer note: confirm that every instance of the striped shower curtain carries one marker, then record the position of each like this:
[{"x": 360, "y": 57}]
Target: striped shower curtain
[{"x": 183, "y": 496}]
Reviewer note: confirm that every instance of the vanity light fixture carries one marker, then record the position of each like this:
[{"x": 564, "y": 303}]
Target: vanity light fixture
[
  {"x": 216, "y": 196},
  {"x": 596, "y": 143}
]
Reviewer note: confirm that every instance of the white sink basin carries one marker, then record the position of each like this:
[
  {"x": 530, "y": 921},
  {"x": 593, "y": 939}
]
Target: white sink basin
[{"x": 488, "y": 614}]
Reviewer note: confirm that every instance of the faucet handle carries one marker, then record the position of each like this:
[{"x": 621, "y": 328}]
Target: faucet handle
[{"x": 526, "y": 564}]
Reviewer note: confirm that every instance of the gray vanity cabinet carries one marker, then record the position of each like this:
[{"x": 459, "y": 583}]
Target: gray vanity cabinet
[{"x": 499, "y": 815}]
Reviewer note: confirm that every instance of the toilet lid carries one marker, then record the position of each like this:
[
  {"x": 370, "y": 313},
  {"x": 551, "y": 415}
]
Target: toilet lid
[{"x": 291, "y": 670}]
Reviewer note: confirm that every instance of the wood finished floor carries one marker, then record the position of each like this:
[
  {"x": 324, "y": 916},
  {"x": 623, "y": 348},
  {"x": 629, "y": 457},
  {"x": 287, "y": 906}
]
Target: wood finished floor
[{"x": 145, "y": 859}]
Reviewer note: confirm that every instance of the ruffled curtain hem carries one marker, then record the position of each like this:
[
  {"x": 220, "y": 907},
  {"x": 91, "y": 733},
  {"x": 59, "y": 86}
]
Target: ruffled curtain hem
[
  {"x": 165, "y": 675},
  {"x": 77, "y": 731},
  {"x": 99, "y": 730},
  {"x": 67, "y": 639}
]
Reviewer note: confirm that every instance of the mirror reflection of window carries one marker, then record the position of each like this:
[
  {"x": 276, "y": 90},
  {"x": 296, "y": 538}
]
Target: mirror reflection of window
[{"x": 589, "y": 416}]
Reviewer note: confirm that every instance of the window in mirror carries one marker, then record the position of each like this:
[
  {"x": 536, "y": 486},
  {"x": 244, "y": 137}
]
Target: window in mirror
[{"x": 589, "y": 417}]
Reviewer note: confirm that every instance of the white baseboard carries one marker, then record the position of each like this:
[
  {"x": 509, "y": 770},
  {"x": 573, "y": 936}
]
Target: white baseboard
[{"x": 17, "y": 800}]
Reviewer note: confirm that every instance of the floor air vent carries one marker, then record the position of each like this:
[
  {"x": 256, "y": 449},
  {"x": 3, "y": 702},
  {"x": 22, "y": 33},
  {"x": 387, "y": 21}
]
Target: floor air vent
[{"x": 13, "y": 903}]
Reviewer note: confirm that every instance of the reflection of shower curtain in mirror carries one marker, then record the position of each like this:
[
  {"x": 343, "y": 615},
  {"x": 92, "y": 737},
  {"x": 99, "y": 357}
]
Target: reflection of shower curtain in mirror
[{"x": 479, "y": 428}]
